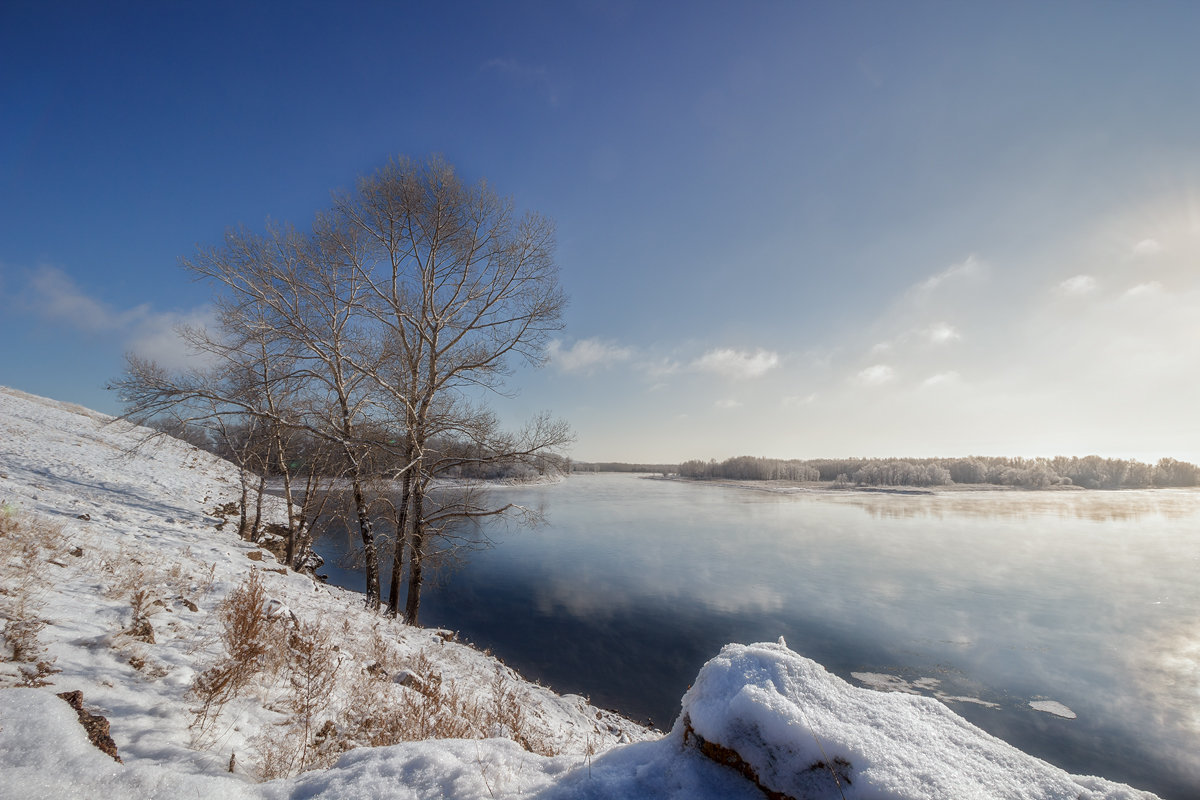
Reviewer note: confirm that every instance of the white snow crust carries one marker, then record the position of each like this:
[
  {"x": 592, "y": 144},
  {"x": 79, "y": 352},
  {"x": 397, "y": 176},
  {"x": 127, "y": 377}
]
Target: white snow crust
[
  {"x": 150, "y": 523},
  {"x": 784, "y": 713}
]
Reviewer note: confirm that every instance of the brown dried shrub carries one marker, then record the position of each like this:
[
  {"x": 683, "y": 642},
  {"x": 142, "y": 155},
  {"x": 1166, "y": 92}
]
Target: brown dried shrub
[{"x": 248, "y": 636}]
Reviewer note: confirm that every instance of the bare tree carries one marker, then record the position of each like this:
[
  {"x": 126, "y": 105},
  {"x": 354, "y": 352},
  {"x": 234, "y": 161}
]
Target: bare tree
[
  {"x": 305, "y": 289},
  {"x": 458, "y": 285},
  {"x": 399, "y": 312},
  {"x": 282, "y": 353}
]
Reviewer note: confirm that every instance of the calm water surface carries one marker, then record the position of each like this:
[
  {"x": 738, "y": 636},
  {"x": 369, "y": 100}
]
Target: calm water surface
[{"x": 989, "y": 600}]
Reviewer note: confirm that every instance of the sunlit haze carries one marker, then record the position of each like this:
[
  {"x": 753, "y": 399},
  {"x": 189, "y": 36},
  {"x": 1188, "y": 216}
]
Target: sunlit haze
[{"x": 786, "y": 229}]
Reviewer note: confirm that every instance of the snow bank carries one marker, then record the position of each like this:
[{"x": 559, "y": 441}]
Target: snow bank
[
  {"x": 803, "y": 732},
  {"x": 45, "y": 755}
]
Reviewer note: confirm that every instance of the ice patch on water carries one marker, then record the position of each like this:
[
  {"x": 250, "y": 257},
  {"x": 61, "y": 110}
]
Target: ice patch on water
[
  {"x": 1052, "y": 707},
  {"x": 884, "y": 682},
  {"x": 893, "y": 683}
]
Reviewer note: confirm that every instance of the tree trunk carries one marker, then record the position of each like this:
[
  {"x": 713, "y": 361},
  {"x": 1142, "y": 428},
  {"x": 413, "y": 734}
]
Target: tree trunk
[
  {"x": 402, "y": 524},
  {"x": 243, "y": 508},
  {"x": 256, "y": 529},
  {"x": 290, "y": 504},
  {"x": 295, "y": 521},
  {"x": 370, "y": 554},
  {"x": 416, "y": 554}
]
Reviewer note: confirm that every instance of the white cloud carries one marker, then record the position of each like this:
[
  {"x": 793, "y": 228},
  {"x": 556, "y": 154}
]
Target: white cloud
[
  {"x": 1145, "y": 289},
  {"x": 1079, "y": 284},
  {"x": 971, "y": 267},
  {"x": 730, "y": 403},
  {"x": 876, "y": 375},
  {"x": 737, "y": 364},
  {"x": 941, "y": 379},
  {"x": 156, "y": 337},
  {"x": 941, "y": 333},
  {"x": 798, "y": 400},
  {"x": 54, "y": 295},
  {"x": 660, "y": 368},
  {"x": 1147, "y": 247},
  {"x": 587, "y": 354}
]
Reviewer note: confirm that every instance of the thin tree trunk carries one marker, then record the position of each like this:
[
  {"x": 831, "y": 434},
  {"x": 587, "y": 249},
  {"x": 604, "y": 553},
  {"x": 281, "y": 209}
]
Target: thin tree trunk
[
  {"x": 256, "y": 530},
  {"x": 370, "y": 554},
  {"x": 243, "y": 519},
  {"x": 293, "y": 522}
]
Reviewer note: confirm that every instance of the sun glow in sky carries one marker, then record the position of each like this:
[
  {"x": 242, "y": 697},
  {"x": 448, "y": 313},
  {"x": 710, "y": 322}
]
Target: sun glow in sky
[{"x": 786, "y": 229}]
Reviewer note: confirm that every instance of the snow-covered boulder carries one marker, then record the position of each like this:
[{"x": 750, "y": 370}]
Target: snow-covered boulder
[{"x": 798, "y": 731}]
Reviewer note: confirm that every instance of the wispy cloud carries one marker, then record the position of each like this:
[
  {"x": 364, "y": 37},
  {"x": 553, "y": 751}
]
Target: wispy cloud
[
  {"x": 659, "y": 367},
  {"x": 587, "y": 354},
  {"x": 798, "y": 400},
  {"x": 53, "y": 295},
  {"x": 970, "y": 268},
  {"x": 941, "y": 379},
  {"x": 737, "y": 364},
  {"x": 1079, "y": 284},
  {"x": 876, "y": 375},
  {"x": 1145, "y": 289},
  {"x": 941, "y": 333},
  {"x": 1147, "y": 247},
  {"x": 728, "y": 403}
]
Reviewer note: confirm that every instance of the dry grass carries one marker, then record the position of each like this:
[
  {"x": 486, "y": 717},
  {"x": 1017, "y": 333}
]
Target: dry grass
[
  {"x": 28, "y": 545},
  {"x": 143, "y": 605},
  {"x": 248, "y": 637},
  {"x": 419, "y": 705},
  {"x": 122, "y": 573},
  {"x": 422, "y": 704},
  {"x": 298, "y": 744},
  {"x": 336, "y": 689},
  {"x": 257, "y": 645}
]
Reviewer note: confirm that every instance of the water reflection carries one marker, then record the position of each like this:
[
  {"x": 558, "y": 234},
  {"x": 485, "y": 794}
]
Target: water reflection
[
  {"x": 1096, "y": 506},
  {"x": 988, "y": 600},
  {"x": 1169, "y": 668}
]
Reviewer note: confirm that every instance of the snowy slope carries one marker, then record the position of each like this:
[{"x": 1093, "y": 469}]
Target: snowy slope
[
  {"x": 148, "y": 525},
  {"x": 148, "y": 551}
]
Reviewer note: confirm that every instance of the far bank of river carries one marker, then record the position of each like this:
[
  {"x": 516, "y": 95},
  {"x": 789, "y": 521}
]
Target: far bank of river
[{"x": 1017, "y": 609}]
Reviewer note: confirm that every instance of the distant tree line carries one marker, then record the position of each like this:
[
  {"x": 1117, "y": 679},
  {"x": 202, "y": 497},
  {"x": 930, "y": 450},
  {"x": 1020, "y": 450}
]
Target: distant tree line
[
  {"x": 1090, "y": 472},
  {"x": 359, "y": 354},
  {"x": 749, "y": 468},
  {"x": 622, "y": 466}
]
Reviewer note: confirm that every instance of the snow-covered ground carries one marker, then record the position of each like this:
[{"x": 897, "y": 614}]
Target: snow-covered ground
[{"x": 117, "y": 581}]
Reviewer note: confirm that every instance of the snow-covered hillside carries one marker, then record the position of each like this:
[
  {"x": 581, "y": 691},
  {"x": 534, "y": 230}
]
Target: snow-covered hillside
[{"x": 216, "y": 669}]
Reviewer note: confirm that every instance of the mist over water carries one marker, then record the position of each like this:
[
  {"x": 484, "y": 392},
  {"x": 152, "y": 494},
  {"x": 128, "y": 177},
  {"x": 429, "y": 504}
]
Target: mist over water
[{"x": 991, "y": 601}]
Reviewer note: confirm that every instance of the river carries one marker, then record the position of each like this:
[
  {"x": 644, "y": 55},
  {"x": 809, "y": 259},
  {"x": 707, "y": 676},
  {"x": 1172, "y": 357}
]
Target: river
[{"x": 1065, "y": 622}]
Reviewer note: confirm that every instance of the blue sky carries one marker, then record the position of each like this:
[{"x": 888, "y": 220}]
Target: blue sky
[{"x": 787, "y": 229}]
